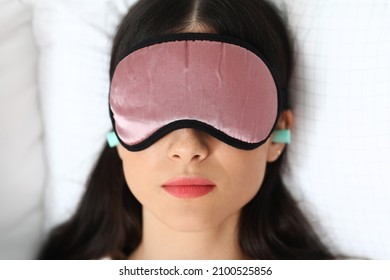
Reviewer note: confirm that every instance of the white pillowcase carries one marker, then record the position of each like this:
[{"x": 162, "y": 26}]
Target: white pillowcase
[
  {"x": 22, "y": 167},
  {"x": 339, "y": 154},
  {"x": 74, "y": 38},
  {"x": 339, "y": 159}
]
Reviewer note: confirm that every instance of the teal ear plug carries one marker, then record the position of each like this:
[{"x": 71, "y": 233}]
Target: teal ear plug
[
  {"x": 282, "y": 136},
  {"x": 112, "y": 139}
]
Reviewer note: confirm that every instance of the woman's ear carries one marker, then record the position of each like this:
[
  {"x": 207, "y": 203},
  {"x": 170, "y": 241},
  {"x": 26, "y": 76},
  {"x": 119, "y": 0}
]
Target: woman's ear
[
  {"x": 276, "y": 149},
  {"x": 120, "y": 149}
]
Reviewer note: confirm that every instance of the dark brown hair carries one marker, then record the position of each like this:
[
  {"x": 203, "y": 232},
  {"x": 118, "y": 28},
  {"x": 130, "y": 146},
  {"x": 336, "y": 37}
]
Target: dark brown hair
[{"x": 108, "y": 220}]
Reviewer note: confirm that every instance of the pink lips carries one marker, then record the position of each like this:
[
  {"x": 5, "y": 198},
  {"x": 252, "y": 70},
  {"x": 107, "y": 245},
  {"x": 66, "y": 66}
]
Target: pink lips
[{"x": 188, "y": 187}]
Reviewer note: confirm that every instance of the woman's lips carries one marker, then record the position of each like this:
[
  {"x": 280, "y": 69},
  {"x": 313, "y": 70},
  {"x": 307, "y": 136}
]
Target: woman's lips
[{"x": 188, "y": 187}]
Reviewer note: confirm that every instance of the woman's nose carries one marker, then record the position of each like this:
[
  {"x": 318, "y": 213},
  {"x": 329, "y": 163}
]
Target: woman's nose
[{"x": 188, "y": 144}]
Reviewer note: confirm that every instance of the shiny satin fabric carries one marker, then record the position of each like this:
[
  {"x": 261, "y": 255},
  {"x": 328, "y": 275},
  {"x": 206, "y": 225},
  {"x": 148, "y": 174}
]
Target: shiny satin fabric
[{"x": 202, "y": 81}]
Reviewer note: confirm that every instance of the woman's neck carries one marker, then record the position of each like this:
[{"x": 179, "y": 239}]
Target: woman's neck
[{"x": 164, "y": 243}]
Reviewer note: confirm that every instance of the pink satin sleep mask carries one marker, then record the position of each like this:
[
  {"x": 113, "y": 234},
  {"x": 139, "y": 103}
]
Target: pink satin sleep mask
[{"x": 214, "y": 83}]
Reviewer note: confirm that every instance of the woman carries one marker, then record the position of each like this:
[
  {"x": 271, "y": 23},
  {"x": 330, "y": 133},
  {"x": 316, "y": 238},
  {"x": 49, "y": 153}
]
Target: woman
[{"x": 193, "y": 175}]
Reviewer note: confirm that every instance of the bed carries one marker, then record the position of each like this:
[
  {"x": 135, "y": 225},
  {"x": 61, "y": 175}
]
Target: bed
[{"x": 54, "y": 58}]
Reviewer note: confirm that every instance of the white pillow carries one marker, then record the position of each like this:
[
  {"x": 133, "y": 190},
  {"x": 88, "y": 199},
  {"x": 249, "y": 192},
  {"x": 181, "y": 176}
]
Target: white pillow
[
  {"x": 339, "y": 159},
  {"x": 74, "y": 38},
  {"x": 22, "y": 168}
]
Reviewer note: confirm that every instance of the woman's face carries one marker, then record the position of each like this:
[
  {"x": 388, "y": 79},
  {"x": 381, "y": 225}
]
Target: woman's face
[{"x": 188, "y": 153}]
